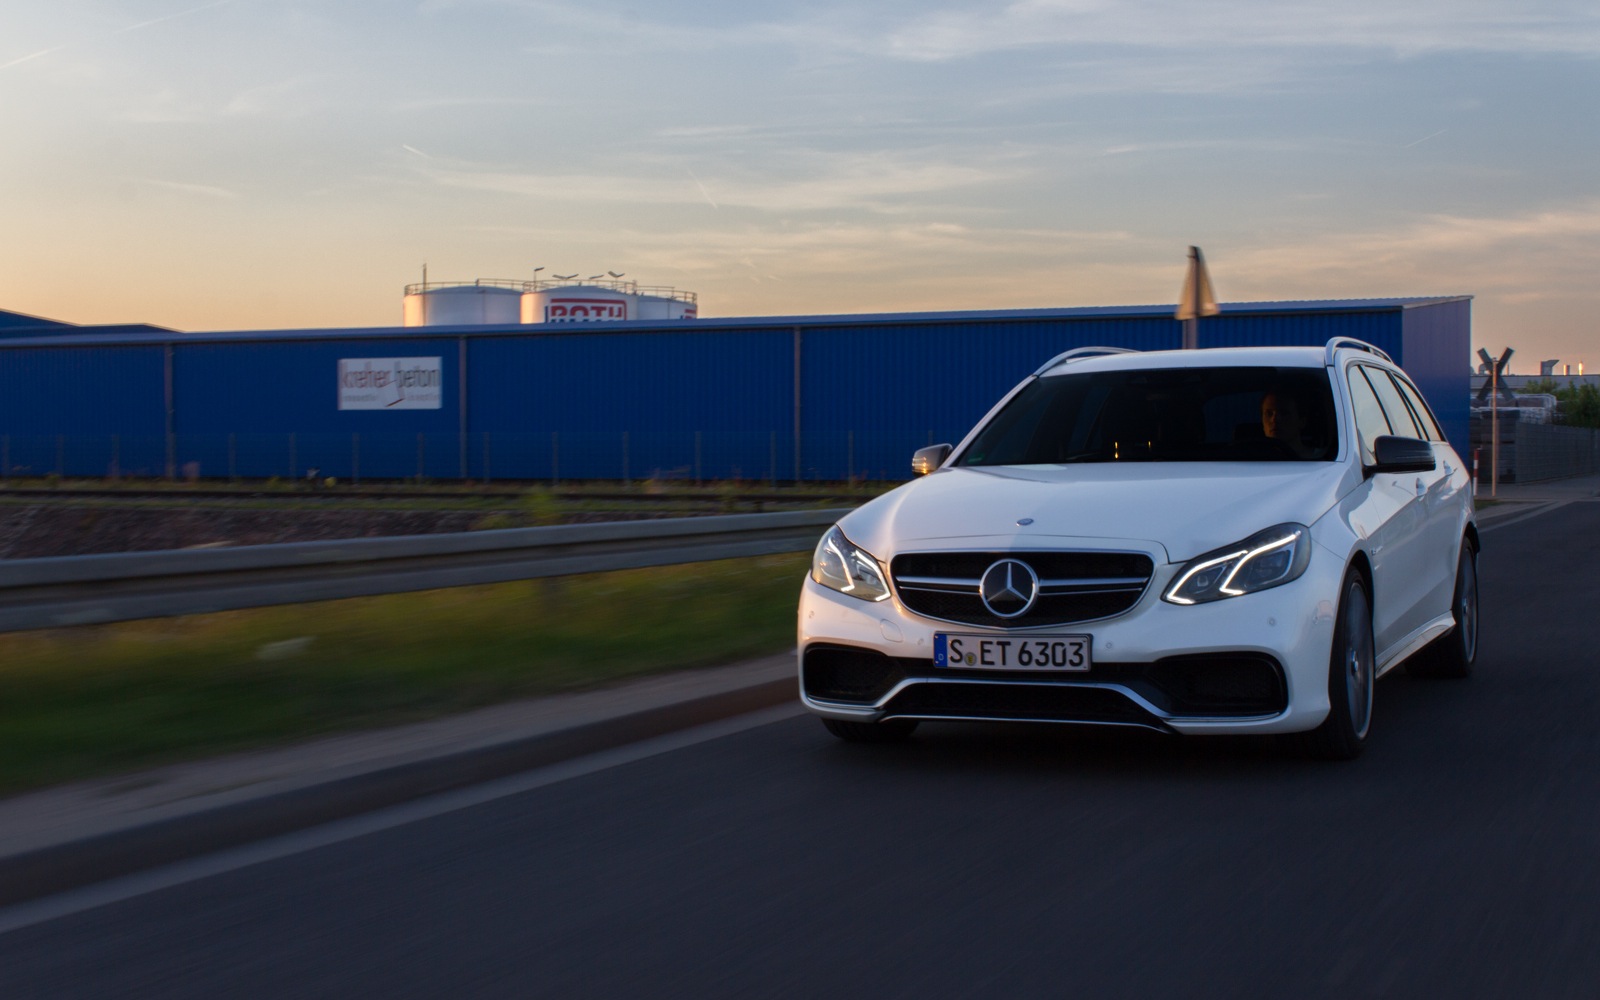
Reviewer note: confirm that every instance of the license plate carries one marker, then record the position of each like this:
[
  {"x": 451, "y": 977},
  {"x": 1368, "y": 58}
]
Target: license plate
[{"x": 987, "y": 652}]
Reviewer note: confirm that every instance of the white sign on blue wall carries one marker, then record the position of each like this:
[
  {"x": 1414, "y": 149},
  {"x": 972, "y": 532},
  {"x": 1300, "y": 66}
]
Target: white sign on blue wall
[{"x": 391, "y": 383}]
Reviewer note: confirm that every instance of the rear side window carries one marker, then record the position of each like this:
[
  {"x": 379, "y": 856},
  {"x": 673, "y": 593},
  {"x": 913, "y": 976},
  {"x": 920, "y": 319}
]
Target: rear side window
[
  {"x": 1420, "y": 409},
  {"x": 1370, "y": 421},
  {"x": 1165, "y": 415},
  {"x": 1394, "y": 405}
]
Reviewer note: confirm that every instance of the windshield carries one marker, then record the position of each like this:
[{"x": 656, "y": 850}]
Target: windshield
[{"x": 1165, "y": 415}]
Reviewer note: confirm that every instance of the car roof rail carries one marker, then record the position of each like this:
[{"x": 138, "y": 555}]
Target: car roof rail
[
  {"x": 1079, "y": 353},
  {"x": 1360, "y": 345}
]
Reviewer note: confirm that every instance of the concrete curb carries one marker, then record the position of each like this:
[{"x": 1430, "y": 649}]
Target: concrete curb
[{"x": 85, "y": 858}]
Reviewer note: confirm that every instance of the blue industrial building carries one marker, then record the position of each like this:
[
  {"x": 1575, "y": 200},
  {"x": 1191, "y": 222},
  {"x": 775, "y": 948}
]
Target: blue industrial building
[{"x": 768, "y": 398}]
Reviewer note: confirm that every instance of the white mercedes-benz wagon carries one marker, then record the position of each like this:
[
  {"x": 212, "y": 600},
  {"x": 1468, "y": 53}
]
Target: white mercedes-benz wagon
[{"x": 1236, "y": 540}]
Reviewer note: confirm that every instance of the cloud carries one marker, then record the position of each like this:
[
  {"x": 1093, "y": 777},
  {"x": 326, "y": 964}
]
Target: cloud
[
  {"x": 292, "y": 97},
  {"x": 1534, "y": 259},
  {"x": 125, "y": 29},
  {"x": 626, "y": 31},
  {"x": 880, "y": 182},
  {"x": 202, "y": 190},
  {"x": 1405, "y": 29},
  {"x": 29, "y": 57},
  {"x": 168, "y": 17},
  {"x": 1088, "y": 26},
  {"x": 165, "y": 106},
  {"x": 1546, "y": 254}
]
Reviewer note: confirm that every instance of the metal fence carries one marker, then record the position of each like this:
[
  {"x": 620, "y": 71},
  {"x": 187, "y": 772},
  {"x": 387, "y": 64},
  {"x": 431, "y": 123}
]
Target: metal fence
[
  {"x": 551, "y": 456},
  {"x": 1549, "y": 451},
  {"x": 94, "y": 589},
  {"x": 1530, "y": 452}
]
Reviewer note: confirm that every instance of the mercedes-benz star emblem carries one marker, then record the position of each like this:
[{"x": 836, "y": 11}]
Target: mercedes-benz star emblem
[{"x": 1009, "y": 588}]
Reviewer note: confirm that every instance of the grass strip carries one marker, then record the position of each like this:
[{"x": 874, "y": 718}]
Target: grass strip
[{"x": 98, "y": 700}]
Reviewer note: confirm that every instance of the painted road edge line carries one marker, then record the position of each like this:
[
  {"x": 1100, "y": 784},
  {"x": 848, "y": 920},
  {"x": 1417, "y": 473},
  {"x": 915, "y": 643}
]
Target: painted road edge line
[{"x": 43, "y": 871}]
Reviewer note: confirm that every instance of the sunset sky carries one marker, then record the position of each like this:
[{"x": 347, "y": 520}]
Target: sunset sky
[{"x": 248, "y": 164}]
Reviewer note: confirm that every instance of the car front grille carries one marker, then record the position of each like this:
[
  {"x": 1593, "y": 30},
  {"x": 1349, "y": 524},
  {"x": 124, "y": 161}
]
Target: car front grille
[{"x": 1073, "y": 586}]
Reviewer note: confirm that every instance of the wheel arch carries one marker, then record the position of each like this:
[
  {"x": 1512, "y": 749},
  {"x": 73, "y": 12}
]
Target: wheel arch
[{"x": 1361, "y": 565}]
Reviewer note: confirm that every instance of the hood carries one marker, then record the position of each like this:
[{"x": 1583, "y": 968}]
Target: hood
[{"x": 1183, "y": 509}]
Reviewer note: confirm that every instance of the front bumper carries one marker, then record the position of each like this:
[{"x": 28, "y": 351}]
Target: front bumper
[{"x": 1252, "y": 664}]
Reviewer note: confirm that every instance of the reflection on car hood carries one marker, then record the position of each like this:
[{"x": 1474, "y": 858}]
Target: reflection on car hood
[{"x": 1183, "y": 508}]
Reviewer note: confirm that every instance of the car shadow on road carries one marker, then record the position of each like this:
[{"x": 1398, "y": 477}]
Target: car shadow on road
[{"x": 1405, "y": 716}]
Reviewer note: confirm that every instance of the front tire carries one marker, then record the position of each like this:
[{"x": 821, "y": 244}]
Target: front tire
[
  {"x": 892, "y": 731},
  {"x": 1351, "y": 677}
]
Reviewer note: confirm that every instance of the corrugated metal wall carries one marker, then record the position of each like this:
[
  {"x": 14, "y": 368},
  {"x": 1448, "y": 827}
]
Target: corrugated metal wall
[
  {"x": 1381, "y": 328},
  {"x": 262, "y": 408},
  {"x": 599, "y": 405},
  {"x": 1438, "y": 357},
  {"x": 83, "y": 412},
  {"x": 873, "y": 394},
  {"x": 714, "y": 400}
]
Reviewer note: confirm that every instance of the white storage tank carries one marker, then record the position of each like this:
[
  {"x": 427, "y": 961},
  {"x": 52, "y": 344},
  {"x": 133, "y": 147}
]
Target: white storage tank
[
  {"x": 576, "y": 304},
  {"x": 463, "y": 303},
  {"x": 658, "y": 307},
  {"x": 496, "y": 302}
]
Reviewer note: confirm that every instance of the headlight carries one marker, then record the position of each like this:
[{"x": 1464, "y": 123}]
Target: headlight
[
  {"x": 847, "y": 569},
  {"x": 1266, "y": 559}
]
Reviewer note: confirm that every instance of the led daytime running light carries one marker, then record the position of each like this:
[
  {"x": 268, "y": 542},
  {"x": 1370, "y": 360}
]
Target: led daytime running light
[
  {"x": 1172, "y": 592},
  {"x": 1280, "y": 543},
  {"x": 1220, "y": 575},
  {"x": 841, "y": 566}
]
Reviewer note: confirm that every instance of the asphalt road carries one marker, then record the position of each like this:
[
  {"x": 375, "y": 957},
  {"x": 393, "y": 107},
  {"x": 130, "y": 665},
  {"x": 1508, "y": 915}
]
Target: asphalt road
[{"x": 1459, "y": 857}]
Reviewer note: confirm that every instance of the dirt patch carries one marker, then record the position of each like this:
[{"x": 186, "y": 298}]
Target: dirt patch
[
  {"x": 37, "y": 531},
  {"x": 30, "y": 532}
]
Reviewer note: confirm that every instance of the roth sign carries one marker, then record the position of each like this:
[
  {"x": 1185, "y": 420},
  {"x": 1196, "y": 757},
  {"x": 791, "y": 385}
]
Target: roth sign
[
  {"x": 391, "y": 383},
  {"x": 578, "y": 310}
]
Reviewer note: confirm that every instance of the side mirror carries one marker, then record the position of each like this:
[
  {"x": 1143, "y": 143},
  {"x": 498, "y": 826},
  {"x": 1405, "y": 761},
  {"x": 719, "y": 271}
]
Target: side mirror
[
  {"x": 927, "y": 459},
  {"x": 1401, "y": 454}
]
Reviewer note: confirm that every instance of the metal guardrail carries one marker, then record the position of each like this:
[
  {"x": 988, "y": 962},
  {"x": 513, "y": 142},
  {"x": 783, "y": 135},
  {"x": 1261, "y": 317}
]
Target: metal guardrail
[{"x": 123, "y": 586}]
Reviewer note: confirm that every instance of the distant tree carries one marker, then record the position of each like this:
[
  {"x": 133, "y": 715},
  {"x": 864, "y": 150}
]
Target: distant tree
[{"x": 1579, "y": 404}]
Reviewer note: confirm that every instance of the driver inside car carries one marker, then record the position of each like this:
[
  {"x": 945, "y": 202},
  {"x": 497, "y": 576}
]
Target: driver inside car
[{"x": 1281, "y": 420}]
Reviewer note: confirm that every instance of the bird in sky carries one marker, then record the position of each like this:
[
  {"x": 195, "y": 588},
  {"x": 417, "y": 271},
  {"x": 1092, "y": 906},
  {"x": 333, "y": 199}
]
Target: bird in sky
[{"x": 565, "y": 277}]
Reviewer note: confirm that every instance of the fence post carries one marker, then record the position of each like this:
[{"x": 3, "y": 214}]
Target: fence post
[{"x": 171, "y": 429}]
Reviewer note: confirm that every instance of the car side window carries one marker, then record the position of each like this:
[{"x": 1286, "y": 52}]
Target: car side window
[
  {"x": 1370, "y": 421},
  {"x": 1394, "y": 405},
  {"x": 1419, "y": 409}
]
